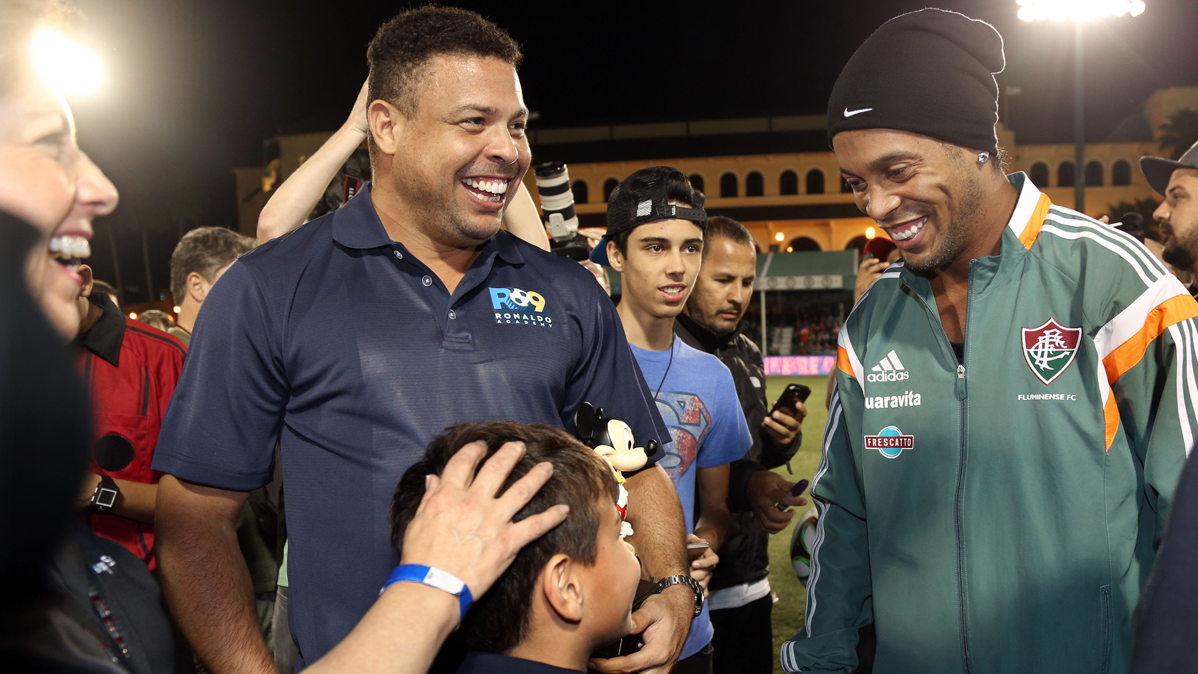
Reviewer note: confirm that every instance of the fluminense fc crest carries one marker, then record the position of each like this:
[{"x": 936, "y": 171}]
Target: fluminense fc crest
[{"x": 1050, "y": 348}]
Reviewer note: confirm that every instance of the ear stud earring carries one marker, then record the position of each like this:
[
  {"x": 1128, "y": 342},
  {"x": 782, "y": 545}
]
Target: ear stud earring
[{"x": 983, "y": 157}]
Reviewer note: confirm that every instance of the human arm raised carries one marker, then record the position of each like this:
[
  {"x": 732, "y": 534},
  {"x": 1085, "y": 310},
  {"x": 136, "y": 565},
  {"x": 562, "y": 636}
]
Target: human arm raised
[
  {"x": 291, "y": 203},
  {"x": 521, "y": 219}
]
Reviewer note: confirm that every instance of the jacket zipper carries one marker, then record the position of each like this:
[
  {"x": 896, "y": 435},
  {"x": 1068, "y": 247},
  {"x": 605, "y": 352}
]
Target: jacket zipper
[{"x": 962, "y": 391}]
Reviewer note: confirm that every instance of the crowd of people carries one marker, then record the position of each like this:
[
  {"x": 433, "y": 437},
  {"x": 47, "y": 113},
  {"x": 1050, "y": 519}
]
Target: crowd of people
[{"x": 404, "y": 436}]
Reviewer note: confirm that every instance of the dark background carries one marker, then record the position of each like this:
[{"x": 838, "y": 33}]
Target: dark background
[{"x": 195, "y": 87}]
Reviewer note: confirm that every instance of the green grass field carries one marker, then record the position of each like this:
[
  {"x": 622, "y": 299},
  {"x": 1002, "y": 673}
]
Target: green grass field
[{"x": 792, "y": 597}]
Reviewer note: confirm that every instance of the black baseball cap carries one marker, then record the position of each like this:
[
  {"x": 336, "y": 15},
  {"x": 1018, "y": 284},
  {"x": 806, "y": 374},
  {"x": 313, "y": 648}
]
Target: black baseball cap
[
  {"x": 1158, "y": 170},
  {"x": 642, "y": 197}
]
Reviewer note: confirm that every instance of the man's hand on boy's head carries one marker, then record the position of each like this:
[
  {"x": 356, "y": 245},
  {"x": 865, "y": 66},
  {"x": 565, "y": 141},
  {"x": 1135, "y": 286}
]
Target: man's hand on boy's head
[{"x": 462, "y": 528}]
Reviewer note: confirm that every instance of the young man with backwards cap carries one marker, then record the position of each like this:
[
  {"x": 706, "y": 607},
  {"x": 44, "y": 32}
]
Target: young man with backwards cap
[
  {"x": 1177, "y": 181},
  {"x": 1014, "y": 403},
  {"x": 655, "y": 226}
]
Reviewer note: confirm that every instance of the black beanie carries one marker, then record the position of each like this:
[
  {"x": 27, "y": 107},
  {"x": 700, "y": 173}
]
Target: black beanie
[{"x": 929, "y": 72}]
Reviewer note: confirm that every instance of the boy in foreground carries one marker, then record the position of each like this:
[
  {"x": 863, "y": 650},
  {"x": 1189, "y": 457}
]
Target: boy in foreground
[{"x": 566, "y": 593}]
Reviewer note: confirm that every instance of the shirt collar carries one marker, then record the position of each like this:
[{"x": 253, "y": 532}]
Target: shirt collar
[
  {"x": 1030, "y": 210},
  {"x": 357, "y": 225},
  {"x": 495, "y": 663},
  {"x": 104, "y": 338},
  {"x": 710, "y": 341}
]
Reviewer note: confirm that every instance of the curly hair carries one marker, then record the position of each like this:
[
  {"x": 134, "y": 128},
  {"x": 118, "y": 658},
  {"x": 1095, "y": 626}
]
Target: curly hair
[{"x": 402, "y": 48}]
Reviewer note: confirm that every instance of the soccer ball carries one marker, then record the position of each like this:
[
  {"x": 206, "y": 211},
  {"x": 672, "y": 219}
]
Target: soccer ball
[{"x": 801, "y": 542}]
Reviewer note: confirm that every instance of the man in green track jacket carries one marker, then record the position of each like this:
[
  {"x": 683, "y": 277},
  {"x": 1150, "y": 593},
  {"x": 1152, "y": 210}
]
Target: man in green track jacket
[{"x": 1014, "y": 402}]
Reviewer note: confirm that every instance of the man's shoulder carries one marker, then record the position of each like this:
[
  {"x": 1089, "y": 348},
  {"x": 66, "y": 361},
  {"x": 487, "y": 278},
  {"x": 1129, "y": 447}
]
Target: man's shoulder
[
  {"x": 1075, "y": 243},
  {"x": 880, "y": 296},
  {"x": 149, "y": 342},
  {"x": 746, "y": 346},
  {"x": 546, "y": 262},
  {"x": 312, "y": 237},
  {"x": 702, "y": 364},
  {"x": 1104, "y": 269}
]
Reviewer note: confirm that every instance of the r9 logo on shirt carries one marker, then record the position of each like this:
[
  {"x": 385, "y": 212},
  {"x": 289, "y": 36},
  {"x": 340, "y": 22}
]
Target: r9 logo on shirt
[{"x": 525, "y": 307}]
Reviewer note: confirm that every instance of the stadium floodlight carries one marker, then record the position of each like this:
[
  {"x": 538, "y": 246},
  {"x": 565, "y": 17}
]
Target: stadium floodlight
[
  {"x": 1077, "y": 10},
  {"x": 69, "y": 67}
]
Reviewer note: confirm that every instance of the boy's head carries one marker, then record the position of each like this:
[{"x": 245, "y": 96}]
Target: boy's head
[
  {"x": 579, "y": 577},
  {"x": 655, "y": 225}
]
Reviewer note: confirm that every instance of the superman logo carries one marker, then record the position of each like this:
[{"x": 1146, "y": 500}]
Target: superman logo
[{"x": 688, "y": 421}]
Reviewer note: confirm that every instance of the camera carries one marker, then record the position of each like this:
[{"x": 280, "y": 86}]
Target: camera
[{"x": 557, "y": 200}]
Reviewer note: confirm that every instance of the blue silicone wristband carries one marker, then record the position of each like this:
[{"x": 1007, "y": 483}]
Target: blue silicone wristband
[{"x": 427, "y": 575}]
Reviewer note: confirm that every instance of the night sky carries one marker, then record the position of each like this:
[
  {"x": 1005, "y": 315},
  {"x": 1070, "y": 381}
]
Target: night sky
[{"x": 194, "y": 87}]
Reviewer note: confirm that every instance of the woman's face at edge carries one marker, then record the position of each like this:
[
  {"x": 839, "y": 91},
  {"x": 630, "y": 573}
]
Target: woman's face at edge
[{"x": 46, "y": 180}]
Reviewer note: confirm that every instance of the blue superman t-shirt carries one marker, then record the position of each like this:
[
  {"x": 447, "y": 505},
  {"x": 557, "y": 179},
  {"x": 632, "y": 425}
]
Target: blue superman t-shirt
[{"x": 697, "y": 400}]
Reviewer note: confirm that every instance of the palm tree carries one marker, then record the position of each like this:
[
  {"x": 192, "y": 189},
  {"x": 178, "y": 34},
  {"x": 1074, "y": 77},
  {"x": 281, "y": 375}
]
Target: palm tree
[
  {"x": 1180, "y": 132},
  {"x": 1144, "y": 207}
]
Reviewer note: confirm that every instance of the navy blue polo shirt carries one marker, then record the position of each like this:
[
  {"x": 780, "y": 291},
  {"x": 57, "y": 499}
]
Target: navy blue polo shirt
[{"x": 341, "y": 345}]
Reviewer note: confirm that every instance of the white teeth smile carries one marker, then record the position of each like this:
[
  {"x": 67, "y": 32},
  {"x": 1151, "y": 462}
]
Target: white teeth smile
[
  {"x": 69, "y": 247},
  {"x": 910, "y": 232},
  {"x": 495, "y": 189}
]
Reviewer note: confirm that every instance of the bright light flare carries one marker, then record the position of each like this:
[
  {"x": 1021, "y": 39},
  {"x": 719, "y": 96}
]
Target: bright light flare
[
  {"x": 779, "y": 237},
  {"x": 870, "y": 232},
  {"x": 1077, "y": 10},
  {"x": 176, "y": 309},
  {"x": 133, "y": 315},
  {"x": 69, "y": 67}
]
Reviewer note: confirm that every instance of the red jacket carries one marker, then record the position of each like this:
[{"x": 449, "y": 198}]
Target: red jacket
[{"x": 130, "y": 370}]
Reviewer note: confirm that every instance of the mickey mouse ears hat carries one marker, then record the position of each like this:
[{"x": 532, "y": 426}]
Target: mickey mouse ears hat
[
  {"x": 644, "y": 197},
  {"x": 1158, "y": 171},
  {"x": 929, "y": 72}
]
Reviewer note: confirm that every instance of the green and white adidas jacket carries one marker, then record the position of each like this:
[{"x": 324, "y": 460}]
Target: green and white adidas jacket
[{"x": 1002, "y": 515}]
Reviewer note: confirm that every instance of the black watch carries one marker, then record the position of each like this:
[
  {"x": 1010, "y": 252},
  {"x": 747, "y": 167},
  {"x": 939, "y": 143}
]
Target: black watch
[
  {"x": 104, "y": 497},
  {"x": 683, "y": 579}
]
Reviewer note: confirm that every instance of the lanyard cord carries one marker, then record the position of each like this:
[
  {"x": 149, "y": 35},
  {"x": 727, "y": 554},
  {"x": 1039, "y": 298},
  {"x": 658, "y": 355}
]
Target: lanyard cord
[{"x": 667, "y": 373}]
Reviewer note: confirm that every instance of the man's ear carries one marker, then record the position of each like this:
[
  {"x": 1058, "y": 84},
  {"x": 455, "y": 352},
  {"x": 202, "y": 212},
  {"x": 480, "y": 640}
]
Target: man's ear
[
  {"x": 614, "y": 257},
  {"x": 563, "y": 588},
  {"x": 196, "y": 287},
  {"x": 85, "y": 271},
  {"x": 386, "y": 126}
]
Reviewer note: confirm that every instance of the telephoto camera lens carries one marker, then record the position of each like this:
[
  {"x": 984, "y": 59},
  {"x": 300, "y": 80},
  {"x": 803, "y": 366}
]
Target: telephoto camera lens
[{"x": 557, "y": 200}]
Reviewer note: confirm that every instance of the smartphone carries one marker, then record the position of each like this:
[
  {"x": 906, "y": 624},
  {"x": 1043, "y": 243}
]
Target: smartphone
[
  {"x": 696, "y": 550},
  {"x": 794, "y": 393}
]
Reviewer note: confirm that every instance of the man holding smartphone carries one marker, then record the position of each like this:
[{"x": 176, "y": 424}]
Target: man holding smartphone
[{"x": 711, "y": 322}]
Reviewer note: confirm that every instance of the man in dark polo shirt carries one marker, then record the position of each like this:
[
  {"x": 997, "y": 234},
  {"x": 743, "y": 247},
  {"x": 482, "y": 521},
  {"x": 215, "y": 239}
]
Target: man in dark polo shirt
[{"x": 355, "y": 339}]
